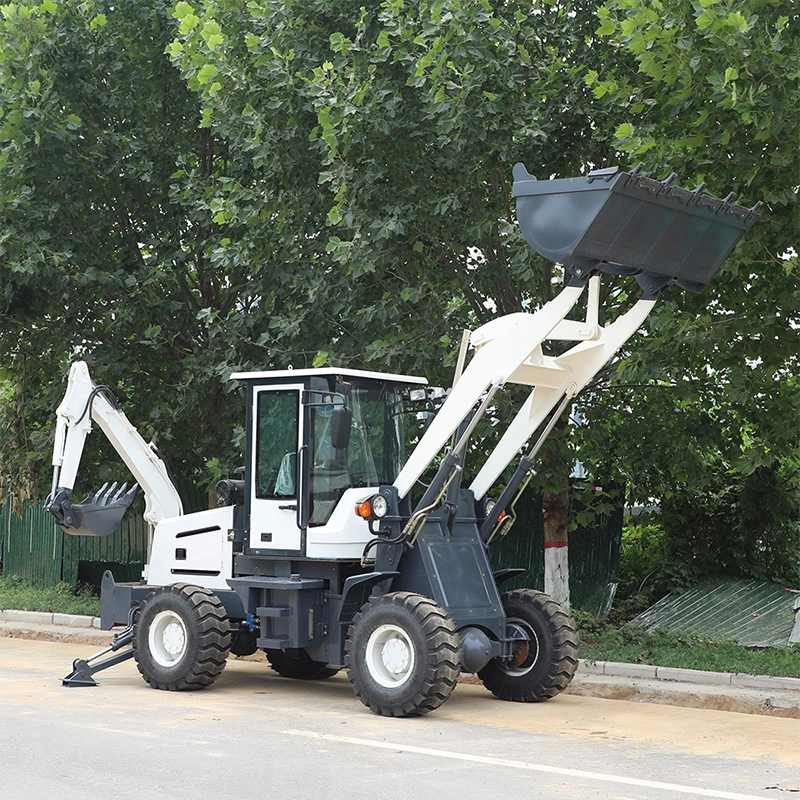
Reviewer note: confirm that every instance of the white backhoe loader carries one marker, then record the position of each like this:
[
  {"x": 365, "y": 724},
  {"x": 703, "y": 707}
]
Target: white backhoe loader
[{"x": 318, "y": 554}]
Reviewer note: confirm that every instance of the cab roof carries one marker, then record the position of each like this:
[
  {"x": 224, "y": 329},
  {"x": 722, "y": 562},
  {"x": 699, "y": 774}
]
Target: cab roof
[{"x": 322, "y": 372}]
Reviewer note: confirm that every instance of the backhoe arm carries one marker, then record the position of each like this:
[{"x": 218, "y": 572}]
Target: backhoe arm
[{"x": 101, "y": 513}]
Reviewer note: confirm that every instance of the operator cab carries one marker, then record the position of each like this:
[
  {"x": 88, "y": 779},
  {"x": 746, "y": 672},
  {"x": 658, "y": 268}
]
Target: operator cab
[{"x": 318, "y": 440}]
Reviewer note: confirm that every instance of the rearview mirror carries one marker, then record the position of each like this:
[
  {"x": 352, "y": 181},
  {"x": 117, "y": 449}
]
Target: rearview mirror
[{"x": 340, "y": 427}]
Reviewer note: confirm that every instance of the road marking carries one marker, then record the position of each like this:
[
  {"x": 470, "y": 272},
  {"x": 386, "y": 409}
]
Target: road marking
[{"x": 503, "y": 762}]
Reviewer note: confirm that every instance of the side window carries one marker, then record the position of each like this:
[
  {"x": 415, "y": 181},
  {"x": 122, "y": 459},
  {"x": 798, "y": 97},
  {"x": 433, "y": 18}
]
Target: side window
[{"x": 276, "y": 444}]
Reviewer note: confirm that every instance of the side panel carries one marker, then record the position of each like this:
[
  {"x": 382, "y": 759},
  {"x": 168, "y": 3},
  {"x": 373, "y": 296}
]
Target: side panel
[
  {"x": 345, "y": 534},
  {"x": 194, "y": 548},
  {"x": 451, "y": 565}
]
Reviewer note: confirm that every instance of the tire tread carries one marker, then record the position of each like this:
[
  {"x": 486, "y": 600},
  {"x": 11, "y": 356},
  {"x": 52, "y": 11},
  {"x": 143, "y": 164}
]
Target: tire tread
[
  {"x": 213, "y": 639},
  {"x": 565, "y": 650},
  {"x": 441, "y": 659}
]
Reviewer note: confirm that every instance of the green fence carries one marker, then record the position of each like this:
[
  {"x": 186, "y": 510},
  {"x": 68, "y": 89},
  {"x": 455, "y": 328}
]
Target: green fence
[
  {"x": 593, "y": 554},
  {"x": 34, "y": 547},
  {"x": 31, "y": 545}
]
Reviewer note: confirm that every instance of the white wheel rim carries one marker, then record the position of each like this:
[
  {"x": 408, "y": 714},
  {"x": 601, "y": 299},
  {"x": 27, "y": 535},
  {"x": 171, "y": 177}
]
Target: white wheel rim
[
  {"x": 531, "y": 651},
  {"x": 390, "y": 656},
  {"x": 167, "y": 638}
]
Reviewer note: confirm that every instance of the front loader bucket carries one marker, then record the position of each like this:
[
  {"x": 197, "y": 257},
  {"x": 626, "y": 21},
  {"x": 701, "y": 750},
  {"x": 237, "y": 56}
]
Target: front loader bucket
[
  {"x": 621, "y": 222},
  {"x": 100, "y": 514}
]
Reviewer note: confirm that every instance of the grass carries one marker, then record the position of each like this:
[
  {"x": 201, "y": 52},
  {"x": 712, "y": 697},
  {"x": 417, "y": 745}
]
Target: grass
[
  {"x": 630, "y": 645},
  {"x": 20, "y": 594}
]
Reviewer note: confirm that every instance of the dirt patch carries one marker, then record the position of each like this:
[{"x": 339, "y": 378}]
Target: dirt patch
[
  {"x": 742, "y": 702},
  {"x": 100, "y": 638}
]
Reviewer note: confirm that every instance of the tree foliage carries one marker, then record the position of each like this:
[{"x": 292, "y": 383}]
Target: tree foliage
[
  {"x": 192, "y": 188},
  {"x": 310, "y": 188},
  {"x": 705, "y": 412},
  {"x": 100, "y": 257}
]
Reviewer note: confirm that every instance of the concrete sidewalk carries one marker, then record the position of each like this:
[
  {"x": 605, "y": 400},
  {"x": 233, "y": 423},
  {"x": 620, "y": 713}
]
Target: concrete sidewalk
[{"x": 752, "y": 694}]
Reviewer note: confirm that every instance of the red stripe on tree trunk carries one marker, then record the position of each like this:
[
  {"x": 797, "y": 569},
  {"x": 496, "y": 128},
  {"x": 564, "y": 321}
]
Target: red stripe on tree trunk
[{"x": 556, "y": 544}]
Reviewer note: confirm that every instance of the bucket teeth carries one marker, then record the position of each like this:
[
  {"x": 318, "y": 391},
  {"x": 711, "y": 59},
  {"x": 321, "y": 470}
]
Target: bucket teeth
[
  {"x": 108, "y": 495},
  {"x": 100, "y": 514}
]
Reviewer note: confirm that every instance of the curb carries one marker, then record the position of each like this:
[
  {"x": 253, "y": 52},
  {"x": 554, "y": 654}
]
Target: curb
[
  {"x": 49, "y": 618},
  {"x": 695, "y": 676}
]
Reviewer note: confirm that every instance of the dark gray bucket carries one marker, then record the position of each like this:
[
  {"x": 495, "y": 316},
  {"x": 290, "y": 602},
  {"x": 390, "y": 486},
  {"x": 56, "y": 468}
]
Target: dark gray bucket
[
  {"x": 100, "y": 514},
  {"x": 622, "y": 222}
]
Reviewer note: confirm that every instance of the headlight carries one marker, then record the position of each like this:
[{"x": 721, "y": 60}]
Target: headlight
[
  {"x": 374, "y": 507},
  {"x": 379, "y": 506}
]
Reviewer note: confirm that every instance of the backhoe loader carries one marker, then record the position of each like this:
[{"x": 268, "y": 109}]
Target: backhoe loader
[{"x": 321, "y": 553}]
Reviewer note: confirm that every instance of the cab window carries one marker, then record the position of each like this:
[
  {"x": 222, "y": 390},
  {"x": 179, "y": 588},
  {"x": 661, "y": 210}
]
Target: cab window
[
  {"x": 374, "y": 456},
  {"x": 276, "y": 444}
]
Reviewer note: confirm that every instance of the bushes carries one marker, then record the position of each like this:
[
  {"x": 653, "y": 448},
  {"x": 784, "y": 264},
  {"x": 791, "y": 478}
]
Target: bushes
[{"x": 749, "y": 528}]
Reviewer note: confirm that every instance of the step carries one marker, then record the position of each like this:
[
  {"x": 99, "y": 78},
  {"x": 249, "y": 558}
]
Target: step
[
  {"x": 269, "y": 643},
  {"x": 273, "y": 611},
  {"x": 279, "y": 583}
]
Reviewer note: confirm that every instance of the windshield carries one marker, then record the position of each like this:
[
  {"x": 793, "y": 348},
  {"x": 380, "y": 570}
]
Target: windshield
[{"x": 374, "y": 456}]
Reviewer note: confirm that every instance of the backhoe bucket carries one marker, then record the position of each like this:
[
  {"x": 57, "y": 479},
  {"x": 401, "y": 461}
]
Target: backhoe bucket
[
  {"x": 621, "y": 222},
  {"x": 100, "y": 514}
]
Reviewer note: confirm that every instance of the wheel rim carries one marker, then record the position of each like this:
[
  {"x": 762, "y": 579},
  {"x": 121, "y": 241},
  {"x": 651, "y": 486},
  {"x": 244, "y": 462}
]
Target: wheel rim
[
  {"x": 167, "y": 638},
  {"x": 390, "y": 656},
  {"x": 527, "y": 651}
]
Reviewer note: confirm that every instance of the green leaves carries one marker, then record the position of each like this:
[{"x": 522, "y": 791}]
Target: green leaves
[
  {"x": 207, "y": 72},
  {"x": 225, "y": 185}
]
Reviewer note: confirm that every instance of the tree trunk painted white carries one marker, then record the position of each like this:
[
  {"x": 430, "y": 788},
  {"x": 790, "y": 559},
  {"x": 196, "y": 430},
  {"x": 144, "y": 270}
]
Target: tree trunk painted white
[
  {"x": 556, "y": 572},
  {"x": 794, "y": 636},
  {"x": 555, "y": 514}
]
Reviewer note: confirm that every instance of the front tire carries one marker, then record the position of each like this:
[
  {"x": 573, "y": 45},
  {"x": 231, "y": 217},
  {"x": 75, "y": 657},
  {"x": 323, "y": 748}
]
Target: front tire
[
  {"x": 402, "y": 655},
  {"x": 547, "y": 655},
  {"x": 181, "y": 638}
]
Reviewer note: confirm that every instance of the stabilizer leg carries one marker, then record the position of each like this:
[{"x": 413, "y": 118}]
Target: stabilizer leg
[{"x": 83, "y": 669}]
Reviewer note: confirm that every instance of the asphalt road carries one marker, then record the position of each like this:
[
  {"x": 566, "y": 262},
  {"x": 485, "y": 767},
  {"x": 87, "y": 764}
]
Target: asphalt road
[{"x": 255, "y": 734}]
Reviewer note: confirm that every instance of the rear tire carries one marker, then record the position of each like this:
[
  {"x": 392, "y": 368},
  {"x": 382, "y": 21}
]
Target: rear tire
[
  {"x": 181, "y": 638},
  {"x": 547, "y": 656},
  {"x": 298, "y": 664},
  {"x": 402, "y": 655}
]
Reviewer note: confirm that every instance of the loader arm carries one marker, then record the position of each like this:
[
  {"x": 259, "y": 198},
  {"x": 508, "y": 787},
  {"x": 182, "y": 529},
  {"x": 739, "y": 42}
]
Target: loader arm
[
  {"x": 609, "y": 221},
  {"x": 101, "y": 513},
  {"x": 493, "y": 364},
  {"x": 509, "y": 351},
  {"x": 553, "y": 378}
]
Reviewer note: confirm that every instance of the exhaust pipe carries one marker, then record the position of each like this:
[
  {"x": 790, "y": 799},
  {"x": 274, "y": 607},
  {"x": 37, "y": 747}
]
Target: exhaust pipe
[{"x": 100, "y": 514}]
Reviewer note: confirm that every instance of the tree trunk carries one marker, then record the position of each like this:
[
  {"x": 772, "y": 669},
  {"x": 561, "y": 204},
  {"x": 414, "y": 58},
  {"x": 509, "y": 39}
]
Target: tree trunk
[{"x": 555, "y": 507}]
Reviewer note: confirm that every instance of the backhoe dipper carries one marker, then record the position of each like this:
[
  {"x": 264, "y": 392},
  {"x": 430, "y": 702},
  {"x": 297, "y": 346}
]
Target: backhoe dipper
[{"x": 317, "y": 554}]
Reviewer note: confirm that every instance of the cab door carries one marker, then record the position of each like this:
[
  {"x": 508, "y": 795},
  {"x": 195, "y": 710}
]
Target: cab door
[{"x": 274, "y": 475}]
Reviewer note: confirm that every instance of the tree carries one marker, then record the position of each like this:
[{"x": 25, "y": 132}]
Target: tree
[
  {"x": 704, "y": 412},
  {"x": 261, "y": 226},
  {"x": 111, "y": 236},
  {"x": 192, "y": 189}
]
